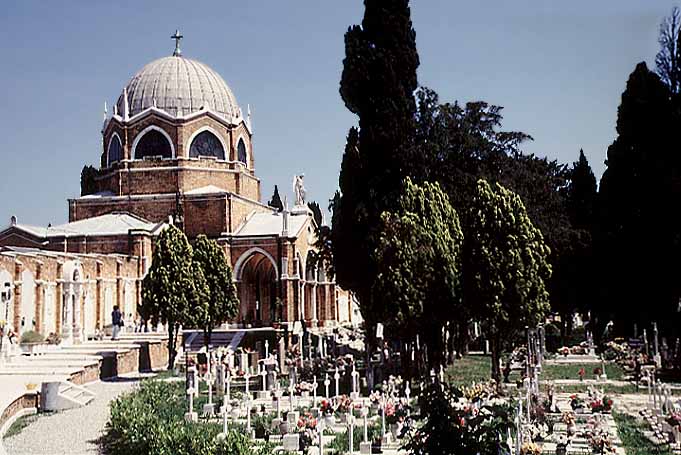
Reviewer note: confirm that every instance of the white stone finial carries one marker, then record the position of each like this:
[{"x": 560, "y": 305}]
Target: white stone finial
[
  {"x": 284, "y": 219},
  {"x": 126, "y": 110},
  {"x": 106, "y": 111},
  {"x": 249, "y": 122}
]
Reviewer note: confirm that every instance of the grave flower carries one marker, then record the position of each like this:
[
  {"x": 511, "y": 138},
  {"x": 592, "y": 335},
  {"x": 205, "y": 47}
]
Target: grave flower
[
  {"x": 576, "y": 402},
  {"x": 581, "y": 373},
  {"x": 674, "y": 419},
  {"x": 530, "y": 448}
]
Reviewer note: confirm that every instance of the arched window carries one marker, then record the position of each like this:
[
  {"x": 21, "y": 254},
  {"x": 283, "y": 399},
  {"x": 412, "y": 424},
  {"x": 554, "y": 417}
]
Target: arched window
[
  {"x": 115, "y": 149},
  {"x": 241, "y": 152},
  {"x": 206, "y": 144},
  {"x": 153, "y": 143}
]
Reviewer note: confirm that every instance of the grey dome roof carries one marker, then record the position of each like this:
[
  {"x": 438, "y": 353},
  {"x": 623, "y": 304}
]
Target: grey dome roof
[{"x": 179, "y": 86}]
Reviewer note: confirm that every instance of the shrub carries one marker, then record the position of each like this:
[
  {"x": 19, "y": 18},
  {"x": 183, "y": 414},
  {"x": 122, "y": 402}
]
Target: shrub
[
  {"x": 31, "y": 336},
  {"x": 151, "y": 421}
]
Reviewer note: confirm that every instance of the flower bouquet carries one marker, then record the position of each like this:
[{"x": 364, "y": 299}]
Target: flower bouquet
[
  {"x": 530, "y": 448},
  {"x": 674, "y": 419},
  {"x": 576, "y": 402},
  {"x": 564, "y": 351},
  {"x": 326, "y": 408},
  {"x": 601, "y": 405},
  {"x": 307, "y": 429},
  {"x": 581, "y": 373}
]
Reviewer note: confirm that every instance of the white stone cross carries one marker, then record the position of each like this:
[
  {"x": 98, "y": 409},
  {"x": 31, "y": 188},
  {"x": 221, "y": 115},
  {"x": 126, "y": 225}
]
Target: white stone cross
[
  {"x": 277, "y": 394},
  {"x": 248, "y": 414},
  {"x": 351, "y": 430},
  {"x": 225, "y": 413},
  {"x": 355, "y": 379},
  {"x": 267, "y": 348},
  {"x": 209, "y": 381},
  {"x": 337, "y": 378},
  {"x": 247, "y": 377},
  {"x": 290, "y": 395},
  {"x": 191, "y": 416},
  {"x": 383, "y": 403},
  {"x": 320, "y": 430},
  {"x": 365, "y": 415},
  {"x": 326, "y": 384},
  {"x": 314, "y": 391},
  {"x": 442, "y": 374},
  {"x": 407, "y": 393}
]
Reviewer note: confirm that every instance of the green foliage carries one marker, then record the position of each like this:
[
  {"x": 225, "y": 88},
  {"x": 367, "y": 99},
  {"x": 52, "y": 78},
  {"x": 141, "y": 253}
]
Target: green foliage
[
  {"x": 339, "y": 444},
  {"x": 169, "y": 291},
  {"x": 418, "y": 259},
  {"x": 88, "y": 183},
  {"x": 635, "y": 442},
  {"x": 507, "y": 265},
  {"x": 275, "y": 202},
  {"x": 31, "y": 336},
  {"x": 377, "y": 84},
  {"x": 637, "y": 240},
  {"x": 218, "y": 297},
  {"x": 446, "y": 427},
  {"x": 19, "y": 425},
  {"x": 150, "y": 421}
]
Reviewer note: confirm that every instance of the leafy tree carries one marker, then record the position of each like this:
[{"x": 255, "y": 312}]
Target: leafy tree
[
  {"x": 637, "y": 237},
  {"x": 275, "y": 202},
  {"x": 168, "y": 290},
  {"x": 572, "y": 281},
  {"x": 448, "y": 428},
  {"x": 668, "y": 59},
  {"x": 88, "y": 183},
  {"x": 507, "y": 266},
  {"x": 377, "y": 84},
  {"x": 221, "y": 302},
  {"x": 419, "y": 265}
]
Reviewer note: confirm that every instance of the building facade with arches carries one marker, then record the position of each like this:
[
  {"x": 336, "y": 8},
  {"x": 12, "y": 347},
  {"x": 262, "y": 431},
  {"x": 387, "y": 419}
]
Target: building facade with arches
[{"x": 176, "y": 148}]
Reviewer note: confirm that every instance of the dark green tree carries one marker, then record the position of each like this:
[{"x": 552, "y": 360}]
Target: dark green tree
[
  {"x": 88, "y": 183},
  {"x": 377, "y": 84},
  {"x": 221, "y": 303},
  {"x": 169, "y": 292},
  {"x": 275, "y": 202},
  {"x": 637, "y": 237},
  {"x": 418, "y": 260},
  {"x": 316, "y": 212},
  {"x": 506, "y": 268}
]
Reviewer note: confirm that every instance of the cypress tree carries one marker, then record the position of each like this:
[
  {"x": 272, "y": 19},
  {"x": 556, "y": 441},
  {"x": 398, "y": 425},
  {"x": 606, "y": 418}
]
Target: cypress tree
[
  {"x": 378, "y": 84},
  {"x": 275, "y": 202}
]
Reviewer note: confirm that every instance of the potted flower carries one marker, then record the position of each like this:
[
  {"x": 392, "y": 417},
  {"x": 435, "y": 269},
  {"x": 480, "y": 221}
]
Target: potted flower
[
  {"x": 395, "y": 415},
  {"x": 568, "y": 418},
  {"x": 530, "y": 448},
  {"x": 343, "y": 406},
  {"x": 581, "y": 373},
  {"x": 326, "y": 411},
  {"x": 576, "y": 402},
  {"x": 597, "y": 373},
  {"x": 307, "y": 429}
]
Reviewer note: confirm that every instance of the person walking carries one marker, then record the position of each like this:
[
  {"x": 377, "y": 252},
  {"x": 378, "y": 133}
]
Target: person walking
[{"x": 116, "y": 322}]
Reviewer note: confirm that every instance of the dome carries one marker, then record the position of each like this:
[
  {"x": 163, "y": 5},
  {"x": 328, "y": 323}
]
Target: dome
[{"x": 179, "y": 86}]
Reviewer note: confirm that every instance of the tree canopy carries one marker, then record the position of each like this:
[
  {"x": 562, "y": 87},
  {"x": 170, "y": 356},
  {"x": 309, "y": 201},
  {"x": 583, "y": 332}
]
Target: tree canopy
[
  {"x": 221, "y": 303},
  {"x": 418, "y": 257},
  {"x": 507, "y": 267},
  {"x": 169, "y": 291}
]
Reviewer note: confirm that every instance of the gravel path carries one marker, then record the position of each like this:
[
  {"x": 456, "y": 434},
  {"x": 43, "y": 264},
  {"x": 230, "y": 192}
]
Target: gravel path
[{"x": 74, "y": 431}]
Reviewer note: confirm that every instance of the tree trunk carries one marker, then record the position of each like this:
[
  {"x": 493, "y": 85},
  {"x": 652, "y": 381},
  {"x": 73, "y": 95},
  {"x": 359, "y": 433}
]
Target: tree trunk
[
  {"x": 171, "y": 345},
  {"x": 496, "y": 347}
]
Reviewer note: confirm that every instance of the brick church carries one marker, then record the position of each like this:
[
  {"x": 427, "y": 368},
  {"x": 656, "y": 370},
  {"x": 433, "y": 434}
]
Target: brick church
[{"x": 177, "y": 148}]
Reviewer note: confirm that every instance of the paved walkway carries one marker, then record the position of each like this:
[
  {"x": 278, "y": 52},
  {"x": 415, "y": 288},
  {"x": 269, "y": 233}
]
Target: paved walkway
[{"x": 74, "y": 431}]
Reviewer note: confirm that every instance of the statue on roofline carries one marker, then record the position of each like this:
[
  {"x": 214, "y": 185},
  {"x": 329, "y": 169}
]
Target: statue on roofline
[{"x": 299, "y": 190}]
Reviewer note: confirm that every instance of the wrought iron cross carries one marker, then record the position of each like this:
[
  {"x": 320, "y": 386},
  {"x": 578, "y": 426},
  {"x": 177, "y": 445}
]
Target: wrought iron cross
[{"x": 177, "y": 37}]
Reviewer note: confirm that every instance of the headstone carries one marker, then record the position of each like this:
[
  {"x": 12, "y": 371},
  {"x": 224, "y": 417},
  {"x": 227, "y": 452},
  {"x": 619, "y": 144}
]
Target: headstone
[
  {"x": 290, "y": 442},
  {"x": 209, "y": 408},
  {"x": 355, "y": 383},
  {"x": 191, "y": 416},
  {"x": 351, "y": 430},
  {"x": 292, "y": 417}
]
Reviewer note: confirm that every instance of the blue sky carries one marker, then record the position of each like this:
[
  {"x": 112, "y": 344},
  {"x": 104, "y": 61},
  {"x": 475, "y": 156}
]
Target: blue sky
[{"x": 558, "y": 68}]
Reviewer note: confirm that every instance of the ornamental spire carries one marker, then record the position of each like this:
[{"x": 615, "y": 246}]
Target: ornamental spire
[{"x": 177, "y": 37}]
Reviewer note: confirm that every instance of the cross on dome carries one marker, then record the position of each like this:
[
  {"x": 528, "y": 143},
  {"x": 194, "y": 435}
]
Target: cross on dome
[{"x": 177, "y": 37}]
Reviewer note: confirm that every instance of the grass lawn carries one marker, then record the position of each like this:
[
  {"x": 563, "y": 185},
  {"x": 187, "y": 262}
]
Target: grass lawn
[
  {"x": 476, "y": 368},
  {"x": 570, "y": 371},
  {"x": 19, "y": 425},
  {"x": 631, "y": 433}
]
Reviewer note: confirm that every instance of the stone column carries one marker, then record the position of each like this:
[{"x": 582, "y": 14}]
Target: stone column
[
  {"x": 301, "y": 299},
  {"x": 79, "y": 298},
  {"x": 314, "y": 304},
  {"x": 18, "y": 268},
  {"x": 39, "y": 301},
  {"x": 98, "y": 297},
  {"x": 67, "y": 314},
  {"x": 59, "y": 300}
]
